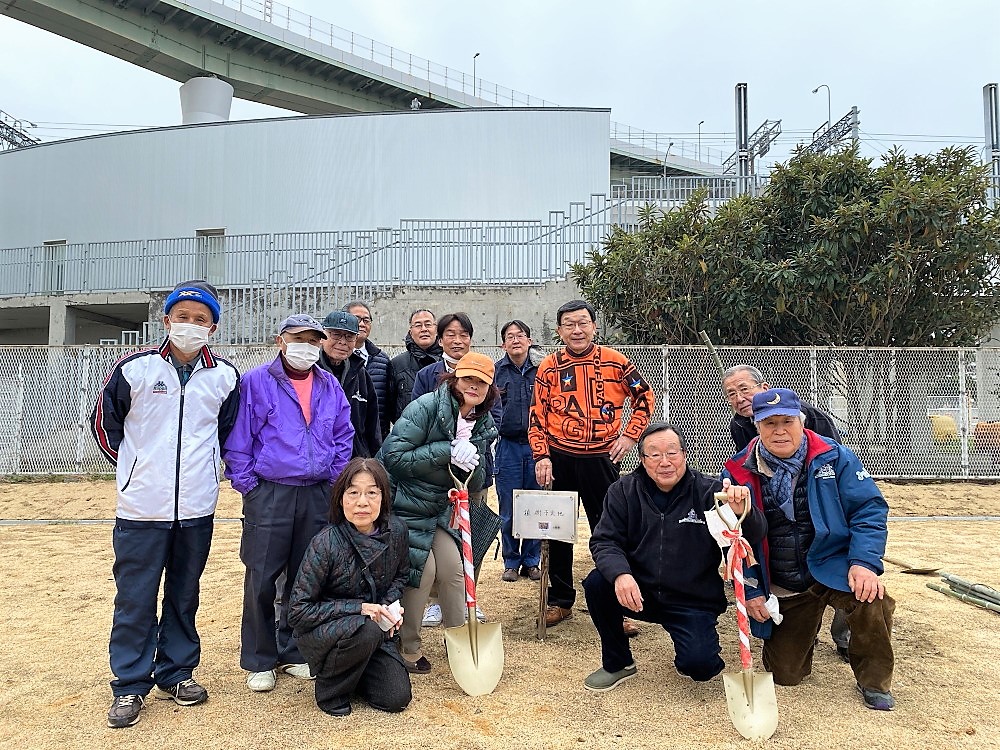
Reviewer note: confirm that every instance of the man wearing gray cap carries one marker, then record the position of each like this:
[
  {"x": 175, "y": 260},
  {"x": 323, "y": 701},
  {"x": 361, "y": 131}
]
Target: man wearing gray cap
[
  {"x": 339, "y": 358},
  {"x": 292, "y": 438}
]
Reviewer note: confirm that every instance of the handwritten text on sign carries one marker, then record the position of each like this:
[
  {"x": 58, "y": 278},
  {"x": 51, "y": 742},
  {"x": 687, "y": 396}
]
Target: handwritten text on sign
[{"x": 545, "y": 515}]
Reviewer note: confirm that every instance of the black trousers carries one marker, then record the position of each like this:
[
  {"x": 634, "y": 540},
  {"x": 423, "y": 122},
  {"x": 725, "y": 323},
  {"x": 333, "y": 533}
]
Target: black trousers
[
  {"x": 363, "y": 662},
  {"x": 590, "y": 476}
]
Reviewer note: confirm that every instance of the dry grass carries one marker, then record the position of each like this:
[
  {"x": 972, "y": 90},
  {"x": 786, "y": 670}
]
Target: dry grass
[{"x": 56, "y": 596}]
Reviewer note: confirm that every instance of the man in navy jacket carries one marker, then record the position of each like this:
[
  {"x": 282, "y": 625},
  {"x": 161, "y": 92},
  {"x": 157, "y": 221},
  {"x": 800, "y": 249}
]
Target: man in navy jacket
[{"x": 825, "y": 540}]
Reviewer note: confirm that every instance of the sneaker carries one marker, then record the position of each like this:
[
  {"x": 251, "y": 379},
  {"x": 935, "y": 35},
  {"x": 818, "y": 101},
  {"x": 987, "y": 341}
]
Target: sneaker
[
  {"x": 555, "y": 615},
  {"x": 124, "y": 711},
  {"x": 601, "y": 681},
  {"x": 297, "y": 670},
  {"x": 261, "y": 682},
  {"x": 876, "y": 699},
  {"x": 184, "y": 693},
  {"x": 509, "y": 575},
  {"x": 480, "y": 615},
  {"x": 533, "y": 572},
  {"x": 420, "y": 666},
  {"x": 432, "y": 616}
]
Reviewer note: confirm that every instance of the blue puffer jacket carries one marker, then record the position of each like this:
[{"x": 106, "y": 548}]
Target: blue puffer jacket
[
  {"x": 378, "y": 370},
  {"x": 847, "y": 510},
  {"x": 417, "y": 455}
]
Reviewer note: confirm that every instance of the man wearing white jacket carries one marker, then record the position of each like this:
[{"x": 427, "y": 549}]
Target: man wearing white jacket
[{"x": 160, "y": 420}]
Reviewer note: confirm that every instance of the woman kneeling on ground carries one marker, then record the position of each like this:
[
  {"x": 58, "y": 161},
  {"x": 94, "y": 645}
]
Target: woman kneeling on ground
[
  {"x": 442, "y": 435},
  {"x": 352, "y": 572}
]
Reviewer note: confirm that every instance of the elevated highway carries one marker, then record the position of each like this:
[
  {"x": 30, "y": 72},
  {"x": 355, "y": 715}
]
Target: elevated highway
[{"x": 273, "y": 55}]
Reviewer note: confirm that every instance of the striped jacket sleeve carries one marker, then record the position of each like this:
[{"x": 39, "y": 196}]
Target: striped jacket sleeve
[{"x": 107, "y": 422}]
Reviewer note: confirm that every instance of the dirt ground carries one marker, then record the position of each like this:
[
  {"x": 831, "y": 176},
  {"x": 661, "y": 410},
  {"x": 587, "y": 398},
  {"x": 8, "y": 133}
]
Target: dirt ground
[{"x": 56, "y": 596}]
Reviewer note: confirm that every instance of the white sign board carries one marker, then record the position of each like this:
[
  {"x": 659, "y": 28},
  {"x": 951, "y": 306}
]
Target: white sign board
[{"x": 539, "y": 514}]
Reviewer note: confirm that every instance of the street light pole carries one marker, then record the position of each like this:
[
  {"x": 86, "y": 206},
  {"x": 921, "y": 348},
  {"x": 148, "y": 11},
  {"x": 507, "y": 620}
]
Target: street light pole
[
  {"x": 667, "y": 154},
  {"x": 474, "y": 73},
  {"x": 829, "y": 114},
  {"x": 699, "y": 139}
]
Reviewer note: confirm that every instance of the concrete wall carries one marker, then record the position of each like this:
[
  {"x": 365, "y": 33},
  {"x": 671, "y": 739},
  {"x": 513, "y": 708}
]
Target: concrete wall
[{"x": 304, "y": 174}]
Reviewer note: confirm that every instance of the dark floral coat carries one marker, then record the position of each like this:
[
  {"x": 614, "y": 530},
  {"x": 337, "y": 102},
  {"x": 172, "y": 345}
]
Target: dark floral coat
[{"x": 341, "y": 569}]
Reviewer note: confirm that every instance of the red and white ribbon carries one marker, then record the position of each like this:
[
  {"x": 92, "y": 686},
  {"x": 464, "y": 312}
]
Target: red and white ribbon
[
  {"x": 739, "y": 551},
  {"x": 460, "y": 521}
]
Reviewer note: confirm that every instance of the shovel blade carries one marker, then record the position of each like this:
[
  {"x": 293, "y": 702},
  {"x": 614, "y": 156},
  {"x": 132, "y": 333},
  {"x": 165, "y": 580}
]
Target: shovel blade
[
  {"x": 752, "y": 703},
  {"x": 475, "y": 655}
]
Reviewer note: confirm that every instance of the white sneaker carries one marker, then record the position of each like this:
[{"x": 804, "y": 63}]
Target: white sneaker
[
  {"x": 261, "y": 682},
  {"x": 480, "y": 615},
  {"x": 297, "y": 670},
  {"x": 432, "y": 616}
]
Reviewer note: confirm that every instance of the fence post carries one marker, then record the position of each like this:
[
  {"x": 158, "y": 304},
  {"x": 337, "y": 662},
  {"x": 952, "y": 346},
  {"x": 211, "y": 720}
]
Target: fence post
[
  {"x": 963, "y": 414},
  {"x": 18, "y": 446},
  {"x": 82, "y": 405},
  {"x": 813, "y": 380}
]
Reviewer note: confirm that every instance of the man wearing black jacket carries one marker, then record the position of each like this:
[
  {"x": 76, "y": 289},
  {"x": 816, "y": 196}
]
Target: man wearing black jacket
[
  {"x": 740, "y": 383},
  {"x": 657, "y": 561},
  {"x": 338, "y": 357},
  {"x": 422, "y": 349}
]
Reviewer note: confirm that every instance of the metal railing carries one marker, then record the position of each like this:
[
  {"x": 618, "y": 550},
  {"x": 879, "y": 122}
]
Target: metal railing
[
  {"x": 418, "y": 252},
  {"x": 882, "y": 400}
]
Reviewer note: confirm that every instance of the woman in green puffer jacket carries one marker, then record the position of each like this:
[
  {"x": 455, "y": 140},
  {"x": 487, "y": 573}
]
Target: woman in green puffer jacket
[{"x": 448, "y": 430}]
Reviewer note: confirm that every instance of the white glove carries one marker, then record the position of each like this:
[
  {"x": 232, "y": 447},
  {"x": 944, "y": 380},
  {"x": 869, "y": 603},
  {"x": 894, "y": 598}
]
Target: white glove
[{"x": 464, "y": 455}]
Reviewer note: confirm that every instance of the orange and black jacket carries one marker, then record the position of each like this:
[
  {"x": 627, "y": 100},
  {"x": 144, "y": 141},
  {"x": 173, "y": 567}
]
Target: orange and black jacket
[{"x": 577, "y": 403}]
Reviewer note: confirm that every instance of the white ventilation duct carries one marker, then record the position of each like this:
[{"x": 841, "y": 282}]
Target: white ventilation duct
[{"x": 205, "y": 99}]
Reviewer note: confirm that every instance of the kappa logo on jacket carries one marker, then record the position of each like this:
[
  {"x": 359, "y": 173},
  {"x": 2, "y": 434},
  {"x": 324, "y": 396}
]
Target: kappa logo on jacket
[
  {"x": 826, "y": 472},
  {"x": 691, "y": 517},
  {"x": 160, "y": 388}
]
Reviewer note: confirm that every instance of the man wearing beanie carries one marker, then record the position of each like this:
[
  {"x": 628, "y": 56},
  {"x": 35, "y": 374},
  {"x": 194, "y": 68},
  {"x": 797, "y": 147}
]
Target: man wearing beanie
[{"x": 160, "y": 420}]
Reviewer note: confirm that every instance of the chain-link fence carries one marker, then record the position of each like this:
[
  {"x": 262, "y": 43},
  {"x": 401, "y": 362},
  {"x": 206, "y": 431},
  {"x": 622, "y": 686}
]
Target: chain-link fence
[{"x": 908, "y": 413}]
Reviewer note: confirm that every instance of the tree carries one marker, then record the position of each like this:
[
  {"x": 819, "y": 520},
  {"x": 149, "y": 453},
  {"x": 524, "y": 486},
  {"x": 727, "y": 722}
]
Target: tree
[{"x": 835, "y": 252}]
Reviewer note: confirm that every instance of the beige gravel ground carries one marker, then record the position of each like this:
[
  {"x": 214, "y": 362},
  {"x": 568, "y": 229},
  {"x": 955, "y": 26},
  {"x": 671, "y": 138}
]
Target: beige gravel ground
[{"x": 55, "y": 611}]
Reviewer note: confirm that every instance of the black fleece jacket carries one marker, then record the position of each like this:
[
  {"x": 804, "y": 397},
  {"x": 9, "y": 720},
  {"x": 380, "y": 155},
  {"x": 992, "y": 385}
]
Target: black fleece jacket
[{"x": 671, "y": 554}]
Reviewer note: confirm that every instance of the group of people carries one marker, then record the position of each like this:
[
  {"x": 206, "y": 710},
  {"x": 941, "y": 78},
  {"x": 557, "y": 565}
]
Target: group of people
[{"x": 344, "y": 459}]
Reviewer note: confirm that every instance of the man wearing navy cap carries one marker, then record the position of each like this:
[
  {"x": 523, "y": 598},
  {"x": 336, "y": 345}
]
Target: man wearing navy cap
[
  {"x": 160, "y": 419},
  {"x": 292, "y": 438},
  {"x": 825, "y": 540},
  {"x": 339, "y": 358}
]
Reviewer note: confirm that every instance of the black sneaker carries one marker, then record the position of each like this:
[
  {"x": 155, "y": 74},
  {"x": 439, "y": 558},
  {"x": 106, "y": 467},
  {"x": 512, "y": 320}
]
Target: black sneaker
[
  {"x": 876, "y": 699},
  {"x": 124, "y": 711},
  {"x": 184, "y": 693},
  {"x": 420, "y": 666}
]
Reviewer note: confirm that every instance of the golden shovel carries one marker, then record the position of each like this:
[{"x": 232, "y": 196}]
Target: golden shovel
[
  {"x": 475, "y": 650},
  {"x": 750, "y": 697}
]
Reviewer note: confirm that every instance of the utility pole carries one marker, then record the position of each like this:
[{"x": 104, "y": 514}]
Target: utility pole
[{"x": 991, "y": 117}]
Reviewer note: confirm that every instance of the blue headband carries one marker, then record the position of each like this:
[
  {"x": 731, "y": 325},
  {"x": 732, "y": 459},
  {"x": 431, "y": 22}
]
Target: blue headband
[{"x": 193, "y": 294}]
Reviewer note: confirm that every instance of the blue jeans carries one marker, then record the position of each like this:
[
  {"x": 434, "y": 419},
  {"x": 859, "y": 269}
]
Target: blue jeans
[
  {"x": 146, "y": 649},
  {"x": 693, "y": 631},
  {"x": 515, "y": 471}
]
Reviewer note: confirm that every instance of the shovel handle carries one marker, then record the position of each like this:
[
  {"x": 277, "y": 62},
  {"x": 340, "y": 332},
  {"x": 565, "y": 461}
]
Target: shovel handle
[{"x": 722, "y": 497}]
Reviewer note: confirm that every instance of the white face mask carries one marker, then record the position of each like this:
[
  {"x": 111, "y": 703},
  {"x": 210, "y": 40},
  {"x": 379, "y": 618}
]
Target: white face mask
[
  {"x": 301, "y": 356},
  {"x": 188, "y": 337}
]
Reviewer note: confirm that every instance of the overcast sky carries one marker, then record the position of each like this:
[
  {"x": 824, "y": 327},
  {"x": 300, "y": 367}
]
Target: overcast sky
[{"x": 915, "y": 68}]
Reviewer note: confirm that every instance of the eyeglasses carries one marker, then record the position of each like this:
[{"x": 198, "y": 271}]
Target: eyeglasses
[
  {"x": 340, "y": 335},
  {"x": 582, "y": 325},
  {"x": 355, "y": 495},
  {"x": 744, "y": 390},
  {"x": 364, "y": 319},
  {"x": 515, "y": 337},
  {"x": 657, "y": 457}
]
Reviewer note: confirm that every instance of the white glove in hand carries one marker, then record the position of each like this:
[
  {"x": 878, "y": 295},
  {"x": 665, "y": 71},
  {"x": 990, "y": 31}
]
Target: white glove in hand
[{"x": 464, "y": 455}]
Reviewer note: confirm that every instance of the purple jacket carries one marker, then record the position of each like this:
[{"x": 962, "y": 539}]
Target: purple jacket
[{"x": 271, "y": 439}]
